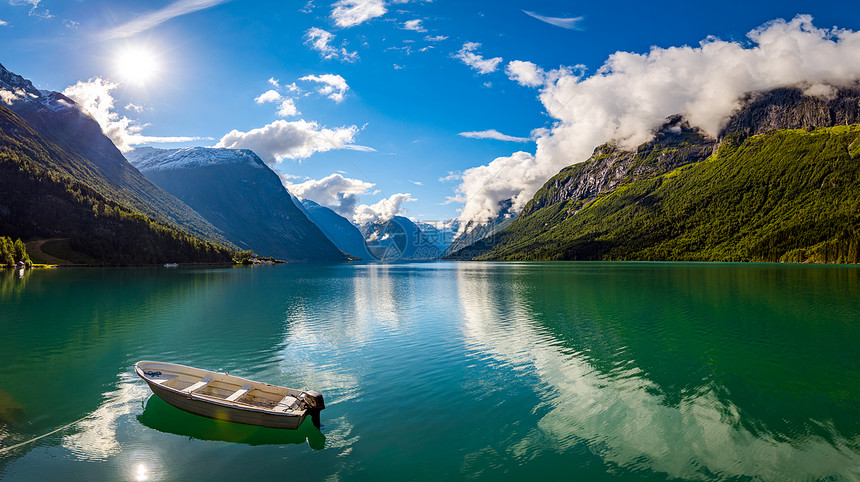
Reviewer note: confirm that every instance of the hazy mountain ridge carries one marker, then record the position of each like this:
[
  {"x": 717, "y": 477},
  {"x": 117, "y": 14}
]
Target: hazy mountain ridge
[
  {"x": 91, "y": 158},
  {"x": 345, "y": 235},
  {"x": 582, "y": 212},
  {"x": 239, "y": 194}
]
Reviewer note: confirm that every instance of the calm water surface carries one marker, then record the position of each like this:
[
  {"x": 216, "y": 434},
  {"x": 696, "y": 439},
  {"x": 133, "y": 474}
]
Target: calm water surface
[{"x": 585, "y": 371}]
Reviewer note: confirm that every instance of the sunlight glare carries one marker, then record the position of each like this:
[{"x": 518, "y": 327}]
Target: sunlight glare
[{"x": 136, "y": 65}]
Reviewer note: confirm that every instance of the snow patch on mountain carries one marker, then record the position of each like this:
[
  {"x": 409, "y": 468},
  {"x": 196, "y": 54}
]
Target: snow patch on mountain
[{"x": 154, "y": 159}]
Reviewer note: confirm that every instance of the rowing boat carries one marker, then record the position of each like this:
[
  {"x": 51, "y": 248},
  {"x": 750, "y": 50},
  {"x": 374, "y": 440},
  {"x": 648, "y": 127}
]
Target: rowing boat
[{"x": 226, "y": 397}]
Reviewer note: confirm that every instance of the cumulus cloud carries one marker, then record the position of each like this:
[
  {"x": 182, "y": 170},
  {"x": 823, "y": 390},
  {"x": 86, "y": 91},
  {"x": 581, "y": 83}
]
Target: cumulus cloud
[
  {"x": 468, "y": 56},
  {"x": 291, "y": 140},
  {"x": 349, "y": 13},
  {"x": 268, "y": 96},
  {"x": 530, "y": 75},
  {"x": 333, "y": 86},
  {"x": 632, "y": 94},
  {"x": 274, "y": 82},
  {"x": 571, "y": 23},
  {"x": 3, "y": 22},
  {"x": 414, "y": 25},
  {"x": 382, "y": 211},
  {"x": 516, "y": 177},
  {"x": 493, "y": 134},
  {"x": 94, "y": 96},
  {"x": 287, "y": 108},
  {"x": 336, "y": 192},
  {"x": 320, "y": 40}
]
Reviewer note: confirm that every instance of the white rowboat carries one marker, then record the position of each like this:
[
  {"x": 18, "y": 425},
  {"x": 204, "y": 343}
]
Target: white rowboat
[{"x": 225, "y": 397}]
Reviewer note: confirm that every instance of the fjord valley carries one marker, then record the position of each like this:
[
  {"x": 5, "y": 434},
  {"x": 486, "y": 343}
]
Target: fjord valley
[
  {"x": 778, "y": 184},
  {"x": 419, "y": 240}
]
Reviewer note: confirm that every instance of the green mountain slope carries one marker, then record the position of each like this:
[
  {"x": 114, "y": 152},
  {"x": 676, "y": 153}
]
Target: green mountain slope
[
  {"x": 83, "y": 152},
  {"x": 36, "y": 201},
  {"x": 785, "y": 195}
]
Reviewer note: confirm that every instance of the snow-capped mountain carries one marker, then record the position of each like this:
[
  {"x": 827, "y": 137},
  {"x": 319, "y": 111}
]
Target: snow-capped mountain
[
  {"x": 398, "y": 239},
  {"x": 239, "y": 194}
]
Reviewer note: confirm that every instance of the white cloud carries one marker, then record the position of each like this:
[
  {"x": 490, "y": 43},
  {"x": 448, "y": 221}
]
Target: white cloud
[
  {"x": 34, "y": 8},
  {"x": 414, "y": 25},
  {"x": 320, "y": 40},
  {"x": 437, "y": 38},
  {"x": 470, "y": 58},
  {"x": 516, "y": 177},
  {"x": 417, "y": 183},
  {"x": 94, "y": 96},
  {"x": 134, "y": 107},
  {"x": 571, "y": 23},
  {"x": 334, "y": 86},
  {"x": 335, "y": 191},
  {"x": 268, "y": 96},
  {"x": 291, "y": 140},
  {"x": 3, "y": 22},
  {"x": 274, "y": 82},
  {"x": 288, "y": 108},
  {"x": 382, "y": 211},
  {"x": 530, "y": 75},
  {"x": 493, "y": 134},
  {"x": 632, "y": 94},
  {"x": 349, "y": 13},
  {"x": 153, "y": 19}
]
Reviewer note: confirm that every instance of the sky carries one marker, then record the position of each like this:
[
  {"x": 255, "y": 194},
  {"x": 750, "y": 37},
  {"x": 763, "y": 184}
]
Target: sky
[{"x": 430, "y": 109}]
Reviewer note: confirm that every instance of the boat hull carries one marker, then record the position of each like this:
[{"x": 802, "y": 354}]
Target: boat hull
[{"x": 227, "y": 413}]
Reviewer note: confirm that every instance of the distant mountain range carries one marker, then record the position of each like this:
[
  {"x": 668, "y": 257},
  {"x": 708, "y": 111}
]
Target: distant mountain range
[
  {"x": 235, "y": 191},
  {"x": 780, "y": 183},
  {"x": 398, "y": 239}
]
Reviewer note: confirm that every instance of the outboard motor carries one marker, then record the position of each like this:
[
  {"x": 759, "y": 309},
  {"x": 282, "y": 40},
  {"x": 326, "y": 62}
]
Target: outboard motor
[{"x": 314, "y": 403}]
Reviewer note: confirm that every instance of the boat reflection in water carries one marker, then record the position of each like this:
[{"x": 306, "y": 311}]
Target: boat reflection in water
[{"x": 161, "y": 416}]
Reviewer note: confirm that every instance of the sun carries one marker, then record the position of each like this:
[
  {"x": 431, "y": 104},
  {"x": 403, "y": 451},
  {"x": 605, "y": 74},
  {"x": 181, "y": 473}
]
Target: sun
[{"x": 136, "y": 65}]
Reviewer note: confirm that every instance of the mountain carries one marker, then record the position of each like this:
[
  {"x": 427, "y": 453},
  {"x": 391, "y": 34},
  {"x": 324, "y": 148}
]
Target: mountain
[
  {"x": 92, "y": 159},
  {"x": 345, "y": 235},
  {"x": 476, "y": 234},
  {"x": 239, "y": 194},
  {"x": 398, "y": 239},
  {"x": 39, "y": 202},
  {"x": 780, "y": 183},
  {"x": 441, "y": 237}
]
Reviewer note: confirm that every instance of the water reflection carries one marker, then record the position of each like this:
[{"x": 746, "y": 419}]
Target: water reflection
[
  {"x": 13, "y": 282},
  {"x": 161, "y": 416},
  {"x": 603, "y": 400},
  {"x": 95, "y": 437}
]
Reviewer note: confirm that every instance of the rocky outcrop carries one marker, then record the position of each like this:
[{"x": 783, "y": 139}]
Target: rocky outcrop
[
  {"x": 674, "y": 145},
  {"x": 793, "y": 108}
]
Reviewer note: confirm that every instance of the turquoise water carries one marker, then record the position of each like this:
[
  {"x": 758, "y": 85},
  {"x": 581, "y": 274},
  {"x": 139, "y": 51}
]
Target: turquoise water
[{"x": 587, "y": 371}]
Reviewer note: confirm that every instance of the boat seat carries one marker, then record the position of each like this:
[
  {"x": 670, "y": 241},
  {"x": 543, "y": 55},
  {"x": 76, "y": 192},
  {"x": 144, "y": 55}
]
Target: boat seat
[
  {"x": 290, "y": 402},
  {"x": 198, "y": 385},
  {"x": 238, "y": 393},
  {"x": 162, "y": 381}
]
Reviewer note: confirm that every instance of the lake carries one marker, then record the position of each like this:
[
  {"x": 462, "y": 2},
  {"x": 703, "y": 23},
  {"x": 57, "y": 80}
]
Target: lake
[{"x": 590, "y": 371}]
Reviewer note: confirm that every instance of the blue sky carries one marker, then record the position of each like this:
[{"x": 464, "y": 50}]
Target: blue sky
[{"x": 404, "y": 80}]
